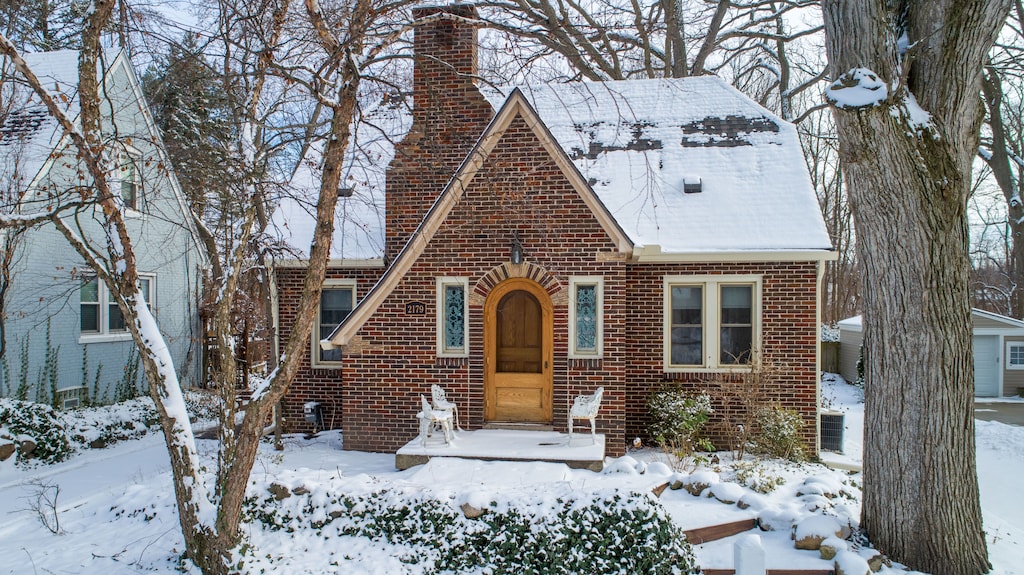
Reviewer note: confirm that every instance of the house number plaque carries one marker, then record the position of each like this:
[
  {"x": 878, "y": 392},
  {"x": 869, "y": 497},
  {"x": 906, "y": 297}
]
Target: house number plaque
[{"x": 415, "y": 308}]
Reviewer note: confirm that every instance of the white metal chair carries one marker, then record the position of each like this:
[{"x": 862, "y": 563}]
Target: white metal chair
[
  {"x": 431, "y": 420},
  {"x": 441, "y": 403},
  {"x": 585, "y": 407}
]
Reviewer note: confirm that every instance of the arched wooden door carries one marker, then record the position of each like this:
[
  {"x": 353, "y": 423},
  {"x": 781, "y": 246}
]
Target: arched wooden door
[{"x": 518, "y": 353}]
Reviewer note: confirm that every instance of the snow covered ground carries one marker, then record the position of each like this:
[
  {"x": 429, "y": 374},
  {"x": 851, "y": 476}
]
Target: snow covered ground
[{"x": 116, "y": 515}]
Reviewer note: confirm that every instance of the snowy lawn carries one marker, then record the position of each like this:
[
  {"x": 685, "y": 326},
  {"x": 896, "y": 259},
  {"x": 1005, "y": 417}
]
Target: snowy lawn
[{"x": 116, "y": 510}]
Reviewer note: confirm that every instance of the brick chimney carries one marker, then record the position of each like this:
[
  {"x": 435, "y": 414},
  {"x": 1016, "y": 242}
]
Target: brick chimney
[{"x": 449, "y": 114}]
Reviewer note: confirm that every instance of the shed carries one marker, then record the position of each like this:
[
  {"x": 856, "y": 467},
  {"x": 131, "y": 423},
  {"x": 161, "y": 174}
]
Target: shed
[{"x": 998, "y": 352}]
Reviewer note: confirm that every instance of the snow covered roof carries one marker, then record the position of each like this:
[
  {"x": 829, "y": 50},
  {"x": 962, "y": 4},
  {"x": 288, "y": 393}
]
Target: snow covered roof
[
  {"x": 690, "y": 164},
  {"x": 29, "y": 133},
  {"x": 359, "y": 217}
]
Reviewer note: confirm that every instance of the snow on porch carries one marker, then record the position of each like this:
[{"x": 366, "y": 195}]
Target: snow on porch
[{"x": 508, "y": 445}]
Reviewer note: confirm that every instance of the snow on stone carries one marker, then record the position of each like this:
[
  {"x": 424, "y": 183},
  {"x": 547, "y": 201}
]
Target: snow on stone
[
  {"x": 821, "y": 526},
  {"x": 639, "y": 141},
  {"x": 857, "y": 88}
]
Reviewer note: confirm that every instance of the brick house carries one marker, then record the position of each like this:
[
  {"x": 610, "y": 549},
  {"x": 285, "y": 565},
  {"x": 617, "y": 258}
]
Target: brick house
[{"x": 541, "y": 241}]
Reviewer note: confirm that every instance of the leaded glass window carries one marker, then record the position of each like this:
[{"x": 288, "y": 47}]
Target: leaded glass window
[
  {"x": 454, "y": 317},
  {"x": 586, "y": 318}
]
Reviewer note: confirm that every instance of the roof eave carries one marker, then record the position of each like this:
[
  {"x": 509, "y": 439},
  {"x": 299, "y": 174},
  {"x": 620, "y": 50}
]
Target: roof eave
[{"x": 652, "y": 254}]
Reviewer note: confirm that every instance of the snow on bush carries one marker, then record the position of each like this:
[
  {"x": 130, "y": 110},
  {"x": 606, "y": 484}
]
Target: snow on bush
[
  {"x": 57, "y": 435},
  {"x": 36, "y": 423},
  {"x": 520, "y": 531},
  {"x": 829, "y": 333},
  {"x": 779, "y": 432},
  {"x": 677, "y": 419}
]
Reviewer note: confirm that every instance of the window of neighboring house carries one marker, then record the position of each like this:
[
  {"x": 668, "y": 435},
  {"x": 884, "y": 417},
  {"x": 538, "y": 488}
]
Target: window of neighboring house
[
  {"x": 129, "y": 183},
  {"x": 452, "y": 314},
  {"x": 1015, "y": 355},
  {"x": 711, "y": 322},
  {"x": 100, "y": 316},
  {"x": 336, "y": 301},
  {"x": 586, "y": 317}
]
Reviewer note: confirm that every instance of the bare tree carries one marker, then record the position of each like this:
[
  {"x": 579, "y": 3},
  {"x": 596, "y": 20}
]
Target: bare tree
[
  {"x": 210, "y": 518},
  {"x": 906, "y": 78},
  {"x": 841, "y": 281},
  {"x": 1002, "y": 148}
]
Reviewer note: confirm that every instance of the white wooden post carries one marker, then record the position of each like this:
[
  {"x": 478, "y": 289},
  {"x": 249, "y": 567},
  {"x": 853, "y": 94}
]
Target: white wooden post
[{"x": 748, "y": 555}]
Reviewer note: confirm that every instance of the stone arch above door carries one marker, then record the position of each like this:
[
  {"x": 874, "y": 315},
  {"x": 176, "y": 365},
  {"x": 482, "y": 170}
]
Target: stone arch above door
[{"x": 508, "y": 270}]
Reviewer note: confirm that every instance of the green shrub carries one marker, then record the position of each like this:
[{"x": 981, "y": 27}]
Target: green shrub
[
  {"x": 611, "y": 532},
  {"x": 779, "y": 432},
  {"x": 677, "y": 419},
  {"x": 40, "y": 423}
]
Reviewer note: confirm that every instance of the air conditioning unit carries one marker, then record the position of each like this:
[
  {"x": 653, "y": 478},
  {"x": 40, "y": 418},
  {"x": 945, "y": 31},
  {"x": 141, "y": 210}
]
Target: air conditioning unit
[{"x": 832, "y": 431}]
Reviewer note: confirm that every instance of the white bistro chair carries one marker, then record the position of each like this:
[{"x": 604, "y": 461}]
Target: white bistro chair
[
  {"x": 441, "y": 403},
  {"x": 431, "y": 419},
  {"x": 585, "y": 407}
]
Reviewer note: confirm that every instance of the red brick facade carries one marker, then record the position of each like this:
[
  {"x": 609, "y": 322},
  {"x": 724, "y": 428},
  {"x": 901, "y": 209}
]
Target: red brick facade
[{"x": 518, "y": 190}]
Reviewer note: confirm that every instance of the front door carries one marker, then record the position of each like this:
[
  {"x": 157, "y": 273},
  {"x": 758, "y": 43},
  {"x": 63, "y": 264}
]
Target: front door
[{"x": 517, "y": 365}]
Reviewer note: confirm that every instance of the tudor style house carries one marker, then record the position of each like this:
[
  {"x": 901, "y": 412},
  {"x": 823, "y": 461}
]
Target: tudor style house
[
  {"x": 542, "y": 241},
  {"x": 65, "y": 340}
]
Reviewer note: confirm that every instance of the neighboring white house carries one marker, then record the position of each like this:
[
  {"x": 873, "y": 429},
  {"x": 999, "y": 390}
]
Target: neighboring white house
[
  {"x": 998, "y": 352},
  {"x": 64, "y": 339}
]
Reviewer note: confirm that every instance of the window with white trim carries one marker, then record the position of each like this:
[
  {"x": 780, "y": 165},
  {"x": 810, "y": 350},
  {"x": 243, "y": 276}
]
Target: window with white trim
[
  {"x": 100, "y": 317},
  {"x": 127, "y": 180},
  {"x": 452, "y": 317},
  {"x": 337, "y": 299},
  {"x": 1015, "y": 355},
  {"x": 586, "y": 317},
  {"x": 711, "y": 322}
]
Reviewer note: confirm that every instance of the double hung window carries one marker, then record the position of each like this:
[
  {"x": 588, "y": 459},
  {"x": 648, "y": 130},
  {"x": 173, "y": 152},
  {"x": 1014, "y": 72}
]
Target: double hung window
[{"x": 711, "y": 322}]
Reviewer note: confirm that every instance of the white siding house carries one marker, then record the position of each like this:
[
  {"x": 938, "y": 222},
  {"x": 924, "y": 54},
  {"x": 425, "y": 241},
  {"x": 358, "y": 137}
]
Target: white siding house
[{"x": 63, "y": 340}]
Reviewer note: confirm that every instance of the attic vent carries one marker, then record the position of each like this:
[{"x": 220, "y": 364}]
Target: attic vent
[{"x": 693, "y": 187}]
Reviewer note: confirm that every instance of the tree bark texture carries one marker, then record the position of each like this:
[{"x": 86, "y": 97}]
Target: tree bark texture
[{"x": 908, "y": 186}]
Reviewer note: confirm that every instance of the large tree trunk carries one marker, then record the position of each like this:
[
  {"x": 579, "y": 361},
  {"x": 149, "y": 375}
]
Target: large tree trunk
[{"x": 908, "y": 184}]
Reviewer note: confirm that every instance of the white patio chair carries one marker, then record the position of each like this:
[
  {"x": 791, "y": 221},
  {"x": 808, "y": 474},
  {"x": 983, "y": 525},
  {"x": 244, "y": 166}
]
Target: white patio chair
[
  {"x": 431, "y": 420},
  {"x": 585, "y": 407},
  {"x": 441, "y": 403}
]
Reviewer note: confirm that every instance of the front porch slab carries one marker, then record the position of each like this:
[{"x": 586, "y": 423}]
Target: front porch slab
[{"x": 509, "y": 445}]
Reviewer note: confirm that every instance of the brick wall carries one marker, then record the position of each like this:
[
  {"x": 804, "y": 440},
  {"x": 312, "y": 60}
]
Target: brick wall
[
  {"x": 320, "y": 385},
  {"x": 788, "y": 338},
  {"x": 519, "y": 189}
]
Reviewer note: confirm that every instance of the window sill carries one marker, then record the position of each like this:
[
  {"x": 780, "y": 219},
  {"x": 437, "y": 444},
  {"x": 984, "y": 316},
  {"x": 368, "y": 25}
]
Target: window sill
[
  {"x": 104, "y": 337},
  {"x": 331, "y": 365},
  {"x": 702, "y": 369}
]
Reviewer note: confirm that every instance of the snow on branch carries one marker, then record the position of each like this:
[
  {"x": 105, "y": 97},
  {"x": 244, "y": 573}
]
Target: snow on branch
[{"x": 857, "y": 88}]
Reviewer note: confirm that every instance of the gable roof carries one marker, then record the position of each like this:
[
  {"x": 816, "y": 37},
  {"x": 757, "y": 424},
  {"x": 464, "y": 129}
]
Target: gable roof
[
  {"x": 29, "y": 135},
  {"x": 638, "y": 141},
  {"x": 515, "y": 106}
]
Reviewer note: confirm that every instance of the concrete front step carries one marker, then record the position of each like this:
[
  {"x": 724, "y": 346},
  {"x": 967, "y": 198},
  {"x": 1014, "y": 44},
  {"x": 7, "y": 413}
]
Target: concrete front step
[{"x": 582, "y": 452}]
